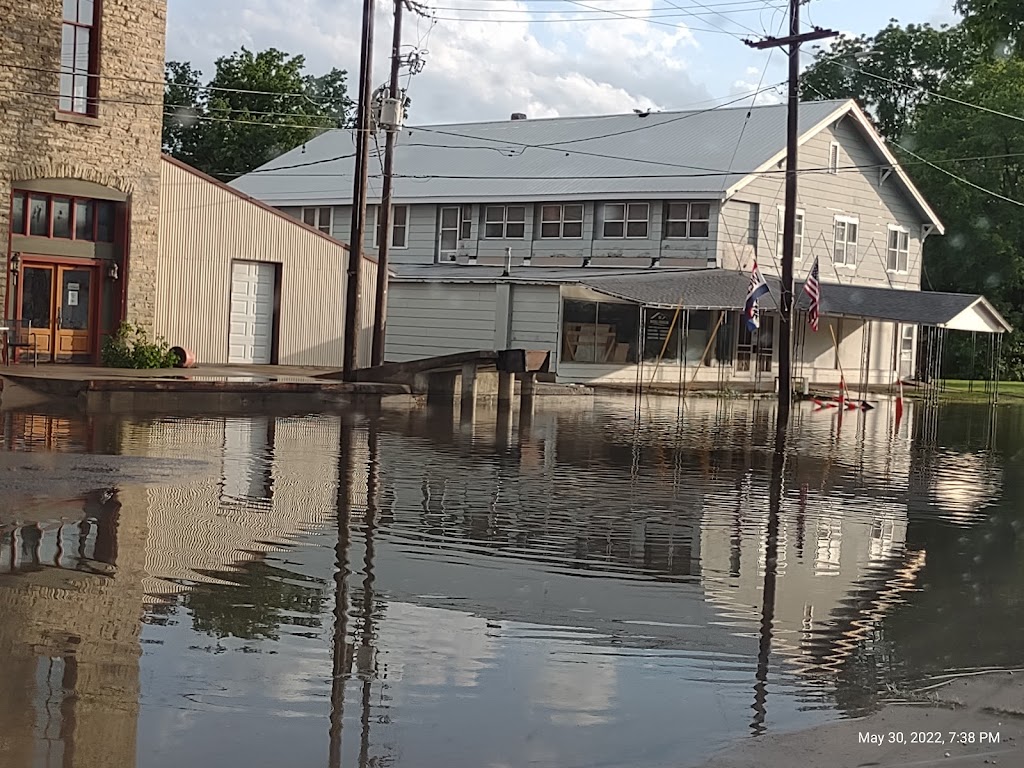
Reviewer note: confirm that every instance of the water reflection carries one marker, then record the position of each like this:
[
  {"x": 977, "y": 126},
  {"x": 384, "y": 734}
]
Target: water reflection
[{"x": 583, "y": 588}]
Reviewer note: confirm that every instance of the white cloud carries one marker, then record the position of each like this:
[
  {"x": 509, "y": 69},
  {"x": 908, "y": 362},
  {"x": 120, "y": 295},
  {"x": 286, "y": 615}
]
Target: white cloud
[{"x": 475, "y": 69}]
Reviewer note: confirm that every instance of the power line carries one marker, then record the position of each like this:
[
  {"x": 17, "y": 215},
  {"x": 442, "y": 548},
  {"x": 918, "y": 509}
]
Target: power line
[
  {"x": 164, "y": 83},
  {"x": 649, "y": 126},
  {"x": 706, "y": 174},
  {"x": 760, "y": 7},
  {"x": 961, "y": 179},
  {"x": 686, "y": 28},
  {"x": 922, "y": 89}
]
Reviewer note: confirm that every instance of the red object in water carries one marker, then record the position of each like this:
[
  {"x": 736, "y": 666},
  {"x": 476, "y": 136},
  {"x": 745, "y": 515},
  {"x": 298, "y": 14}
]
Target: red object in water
[
  {"x": 185, "y": 357},
  {"x": 899, "y": 405}
]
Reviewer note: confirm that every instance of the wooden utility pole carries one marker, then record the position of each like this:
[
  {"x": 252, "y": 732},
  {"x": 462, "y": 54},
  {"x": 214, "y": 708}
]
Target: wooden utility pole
[
  {"x": 793, "y": 40},
  {"x": 364, "y": 124},
  {"x": 384, "y": 234}
]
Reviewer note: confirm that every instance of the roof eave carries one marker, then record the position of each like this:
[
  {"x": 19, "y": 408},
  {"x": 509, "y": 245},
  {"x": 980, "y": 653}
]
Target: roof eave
[{"x": 850, "y": 108}]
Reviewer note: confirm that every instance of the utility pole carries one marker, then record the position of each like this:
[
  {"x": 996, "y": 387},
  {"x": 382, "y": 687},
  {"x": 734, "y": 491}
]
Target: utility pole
[
  {"x": 384, "y": 234},
  {"x": 793, "y": 40},
  {"x": 353, "y": 292}
]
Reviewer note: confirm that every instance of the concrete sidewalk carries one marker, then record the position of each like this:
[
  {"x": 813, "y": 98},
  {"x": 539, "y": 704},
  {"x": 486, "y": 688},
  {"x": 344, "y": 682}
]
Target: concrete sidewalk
[{"x": 212, "y": 388}]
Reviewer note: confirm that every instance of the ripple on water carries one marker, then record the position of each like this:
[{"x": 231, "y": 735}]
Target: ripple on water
[{"x": 591, "y": 591}]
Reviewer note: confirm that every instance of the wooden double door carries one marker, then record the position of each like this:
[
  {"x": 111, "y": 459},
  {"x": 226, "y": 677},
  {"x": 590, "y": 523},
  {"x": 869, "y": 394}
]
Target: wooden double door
[{"x": 59, "y": 301}]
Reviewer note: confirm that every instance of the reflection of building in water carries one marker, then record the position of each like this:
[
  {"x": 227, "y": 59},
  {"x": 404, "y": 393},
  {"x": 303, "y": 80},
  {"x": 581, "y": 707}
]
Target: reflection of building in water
[
  {"x": 572, "y": 695},
  {"x": 273, "y": 478},
  {"x": 842, "y": 556},
  {"x": 71, "y": 601}
]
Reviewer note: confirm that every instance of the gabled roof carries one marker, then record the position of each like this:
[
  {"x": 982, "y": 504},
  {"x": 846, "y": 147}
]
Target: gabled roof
[
  {"x": 873, "y": 139},
  {"x": 699, "y": 153}
]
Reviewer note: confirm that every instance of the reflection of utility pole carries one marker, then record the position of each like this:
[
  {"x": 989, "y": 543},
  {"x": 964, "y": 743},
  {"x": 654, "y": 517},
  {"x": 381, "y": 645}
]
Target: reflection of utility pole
[
  {"x": 340, "y": 661},
  {"x": 771, "y": 566},
  {"x": 367, "y": 653},
  {"x": 793, "y": 40}
]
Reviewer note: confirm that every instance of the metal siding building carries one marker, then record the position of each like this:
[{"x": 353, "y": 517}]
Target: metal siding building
[{"x": 210, "y": 234}]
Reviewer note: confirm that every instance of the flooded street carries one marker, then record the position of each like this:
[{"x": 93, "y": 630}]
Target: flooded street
[{"x": 585, "y": 588}]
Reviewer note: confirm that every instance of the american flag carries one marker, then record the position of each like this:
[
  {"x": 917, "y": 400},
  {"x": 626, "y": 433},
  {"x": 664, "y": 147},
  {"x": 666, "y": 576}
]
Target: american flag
[{"x": 813, "y": 289}]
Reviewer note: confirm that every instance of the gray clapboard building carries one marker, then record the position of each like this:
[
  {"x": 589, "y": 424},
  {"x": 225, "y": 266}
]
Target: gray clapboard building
[{"x": 590, "y": 212}]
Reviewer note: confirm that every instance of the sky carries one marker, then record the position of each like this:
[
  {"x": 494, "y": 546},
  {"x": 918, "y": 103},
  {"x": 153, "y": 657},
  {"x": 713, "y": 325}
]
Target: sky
[{"x": 488, "y": 58}]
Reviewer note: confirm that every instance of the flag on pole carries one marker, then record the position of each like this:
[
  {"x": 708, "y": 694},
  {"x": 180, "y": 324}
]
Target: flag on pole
[
  {"x": 758, "y": 288},
  {"x": 813, "y": 290}
]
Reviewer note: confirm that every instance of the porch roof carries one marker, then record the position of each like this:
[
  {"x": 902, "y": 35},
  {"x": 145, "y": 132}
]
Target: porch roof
[{"x": 725, "y": 289}]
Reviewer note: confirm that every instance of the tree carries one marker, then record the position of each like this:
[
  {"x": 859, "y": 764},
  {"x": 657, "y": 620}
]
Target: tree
[
  {"x": 256, "y": 107},
  {"x": 922, "y": 86},
  {"x": 183, "y": 105},
  {"x": 876, "y": 71},
  {"x": 998, "y": 25},
  {"x": 983, "y": 249}
]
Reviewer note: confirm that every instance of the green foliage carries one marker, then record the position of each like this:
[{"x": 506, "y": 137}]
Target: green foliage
[
  {"x": 983, "y": 248},
  {"x": 997, "y": 24},
  {"x": 130, "y": 347},
  {"x": 255, "y": 107},
  {"x": 929, "y": 58},
  {"x": 259, "y": 601}
]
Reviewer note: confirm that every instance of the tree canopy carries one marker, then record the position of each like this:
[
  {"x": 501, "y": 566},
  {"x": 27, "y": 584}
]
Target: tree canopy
[
  {"x": 949, "y": 100},
  {"x": 254, "y": 108}
]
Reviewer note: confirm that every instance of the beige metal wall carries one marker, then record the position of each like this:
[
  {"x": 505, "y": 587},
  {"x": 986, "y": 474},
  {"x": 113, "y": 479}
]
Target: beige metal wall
[{"x": 204, "y": 226}]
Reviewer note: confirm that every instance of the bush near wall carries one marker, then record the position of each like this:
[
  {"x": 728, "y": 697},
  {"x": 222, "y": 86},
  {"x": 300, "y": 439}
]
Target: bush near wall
[{"x": 130, "y": 347}]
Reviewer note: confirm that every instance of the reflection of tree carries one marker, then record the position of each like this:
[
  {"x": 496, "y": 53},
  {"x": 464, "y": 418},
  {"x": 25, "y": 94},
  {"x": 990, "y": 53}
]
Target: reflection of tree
[{"x": 260, "y": 599}]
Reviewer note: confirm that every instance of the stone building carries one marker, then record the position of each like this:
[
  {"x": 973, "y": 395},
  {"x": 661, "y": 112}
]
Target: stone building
[{"x": 80, "y": 167}]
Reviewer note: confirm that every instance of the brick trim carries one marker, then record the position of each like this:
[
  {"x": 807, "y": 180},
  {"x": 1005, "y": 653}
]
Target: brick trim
[{"x": 58, "y": 170}]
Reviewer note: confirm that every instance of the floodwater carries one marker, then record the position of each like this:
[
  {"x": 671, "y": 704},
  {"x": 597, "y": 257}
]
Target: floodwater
[{"x": 588, "y": 587}]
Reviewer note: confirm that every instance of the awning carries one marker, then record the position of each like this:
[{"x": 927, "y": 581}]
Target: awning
[{"x": 725, "y": 289}]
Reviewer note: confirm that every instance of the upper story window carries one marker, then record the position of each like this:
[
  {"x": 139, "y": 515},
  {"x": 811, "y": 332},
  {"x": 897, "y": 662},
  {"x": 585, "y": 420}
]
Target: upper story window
[
  {"x": 845, "y": 252},
  {"x": 561, "y": 221},
  {"x": 833, "y": 158},
  {"x": 320, "y": 218},
  {"x": 399, "y": 226},
  {"x": 456, "y": 225},
  {"x": 626, "y": 220},
  {"x": 505, "y": 222},
  {"x": 690, "y": 220},
  {"x": 62, "y": 218},
  {"x": 898, "y": 252},
  {"x": 79, "y": 57},
  {"x": 798, "y": 243}
]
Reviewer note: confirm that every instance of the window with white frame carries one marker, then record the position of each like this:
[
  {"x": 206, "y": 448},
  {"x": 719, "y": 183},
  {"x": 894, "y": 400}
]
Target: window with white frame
[
  {"x": 907, "y": 343},
  {"x": 505, "y": 222},
  {"x": 798, "y": 243},
  {"x": 561, "y": 221},
  {"x": 833, "y": 158},
  {"x": 399, "y": 226},
  {"x": 844, "y": 253},
  {"x": 626, "y": 220},
  {"x": 456, "y": 224},
  {"x": 321, "y": 218},
  {"x": 898, "y": 252},
  {"x": 688, "y": 220}
]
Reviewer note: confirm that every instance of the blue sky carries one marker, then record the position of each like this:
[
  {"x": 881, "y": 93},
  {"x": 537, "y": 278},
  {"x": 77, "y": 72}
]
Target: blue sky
[{"x": 488, "y": 58}]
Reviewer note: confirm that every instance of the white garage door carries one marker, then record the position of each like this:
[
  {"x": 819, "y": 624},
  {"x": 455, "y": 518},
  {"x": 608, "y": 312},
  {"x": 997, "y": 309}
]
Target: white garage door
[{"x": 252, "y": 312}]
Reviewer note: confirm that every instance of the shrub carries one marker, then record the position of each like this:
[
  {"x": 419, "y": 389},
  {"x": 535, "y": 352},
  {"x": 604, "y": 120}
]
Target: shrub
[{"x": 130, "y": 347}]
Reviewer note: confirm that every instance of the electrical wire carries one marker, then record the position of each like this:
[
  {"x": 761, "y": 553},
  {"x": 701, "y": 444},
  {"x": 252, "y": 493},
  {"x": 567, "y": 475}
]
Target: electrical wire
[
  {"x": 961, "y": 179},
  {"x": 922, "y": 89},
  {"x": 707, "y": 174},
  {"x": 164, "y": 83}
]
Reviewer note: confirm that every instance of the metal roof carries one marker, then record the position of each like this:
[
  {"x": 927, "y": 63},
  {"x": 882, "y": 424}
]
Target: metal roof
[
  {"x": 664, "y": 154},
  {"x": 724, "y": 289},
  {"x": 668, "y": 287},
  {"x": 480, "y": 273}
]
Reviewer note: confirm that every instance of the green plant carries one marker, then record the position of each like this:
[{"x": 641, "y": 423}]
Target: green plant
[{"x": 130, "y": 347}]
